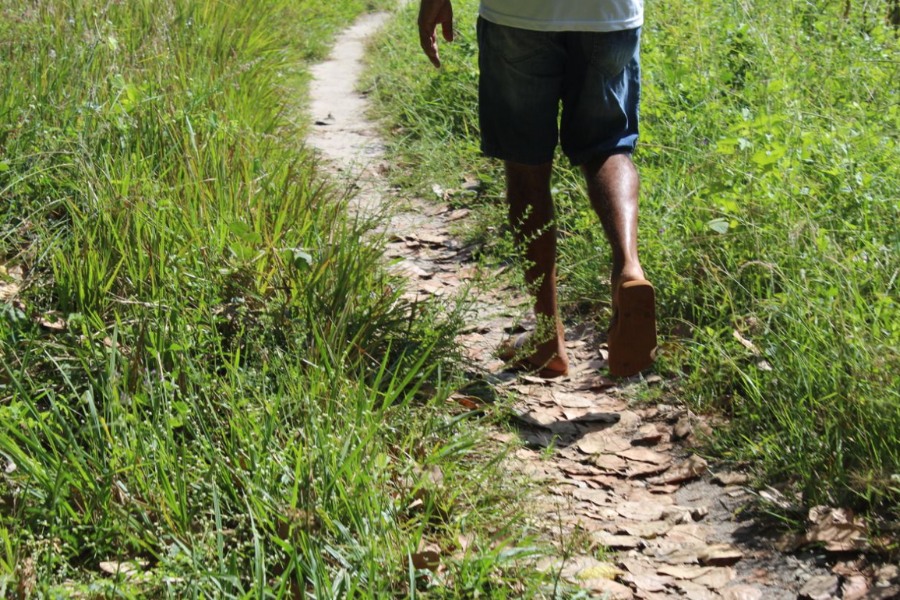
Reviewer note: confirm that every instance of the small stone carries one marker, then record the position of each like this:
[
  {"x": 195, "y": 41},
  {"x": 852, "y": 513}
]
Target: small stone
[
  {"x": 820, "y": 587},
  {"x": 698, "y": 513}
]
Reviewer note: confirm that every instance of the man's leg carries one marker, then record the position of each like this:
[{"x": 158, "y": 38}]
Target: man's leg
[
  {"x": 613, "y": 187},
  {"x": 531, "y": 219}
]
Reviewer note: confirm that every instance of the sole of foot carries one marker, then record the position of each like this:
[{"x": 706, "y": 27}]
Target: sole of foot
[{"x": 632, "y": 337}]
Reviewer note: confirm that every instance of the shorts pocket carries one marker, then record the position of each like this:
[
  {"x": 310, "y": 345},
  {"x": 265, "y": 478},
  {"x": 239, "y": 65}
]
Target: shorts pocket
[
  {"x": 612, "y": 51},
  {"x": 511, "y": 44}
]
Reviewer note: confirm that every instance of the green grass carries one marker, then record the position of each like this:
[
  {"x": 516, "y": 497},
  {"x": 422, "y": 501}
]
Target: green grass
[
  {"x": 206, "y": 375},
  {"x": 770, "y": 200}
]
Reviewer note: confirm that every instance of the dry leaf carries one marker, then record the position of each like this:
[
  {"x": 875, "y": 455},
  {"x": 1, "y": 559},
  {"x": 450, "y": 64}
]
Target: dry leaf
[
  {"x": 598, "y": 497},
  {"x": 837, "y": 529},
  {"x": 647, "y": 530},
  {"x": 609, "y": 463},
  {"x": 745, "y": 342},
  {"x": 854, "y": 587},
  {"x": 663, "y": 489},
  {"x": 649, "y": 582},
  {"x": 596, "y": 442},
  {"x": 647, "y": 435},
  {"x": 645, "y": 455},
  {"x": 615, "y": 542},
  {"x": 640, "y": 511},
  {"x": 688, "y": 533},
  {"x": 469, "y": 402},
  {"x": 594, "y": 383},
  {"x": 456, "y": 215},
  {"x": 608, "y": 589},
  {"x": 572, "y": 400},
  {"x": 674, "y": 553},
  {"x": 691, "y": 468},
  {"x": 741, "y": 592},
  {"x": 127, "y": 569},
  {"x": 640, "y": 469},
  {"x": 683, "y": 428},
  {"x": 720, "y": 555},
  {"x": 426, "y": 559},
  {"x": 727, "y": 478},
  {"x": 717, "y": 578},
  {"x": 600, "y": 571},
  {"x": 695, "y": 591},
  {"x": 820, "y": 587},
  {"x": 684, "y": 572}
]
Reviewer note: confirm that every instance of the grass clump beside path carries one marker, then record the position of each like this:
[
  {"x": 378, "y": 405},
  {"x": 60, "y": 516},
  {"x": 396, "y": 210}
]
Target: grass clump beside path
[
  {"x": 770, "y": 201},
  {"x": 208, "y": 385}
]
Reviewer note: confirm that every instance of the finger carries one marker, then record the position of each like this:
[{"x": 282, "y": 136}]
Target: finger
[
  {"x": 447, "y": 23},
  {"x": 447, "y": 29},
  {"x": 429, "y": 46}
]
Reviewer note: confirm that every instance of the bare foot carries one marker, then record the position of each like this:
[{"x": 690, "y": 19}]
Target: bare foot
[
  {"x": 547, "y": 358},
  {"x": 632, "y": 336}
]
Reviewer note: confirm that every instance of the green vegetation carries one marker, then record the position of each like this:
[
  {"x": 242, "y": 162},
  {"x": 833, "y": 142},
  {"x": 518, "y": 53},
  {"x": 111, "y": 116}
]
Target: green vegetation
[
  {"x": 209, "y": 387},
  {"x": 771, "y": 197}
]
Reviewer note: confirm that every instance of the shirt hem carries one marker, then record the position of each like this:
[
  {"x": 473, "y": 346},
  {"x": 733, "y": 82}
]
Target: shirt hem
[{"x": 538, "y": 25}]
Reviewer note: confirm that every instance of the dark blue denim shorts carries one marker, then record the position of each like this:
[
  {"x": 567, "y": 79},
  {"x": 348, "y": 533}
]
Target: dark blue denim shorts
[{"x": 526, "y": 75}]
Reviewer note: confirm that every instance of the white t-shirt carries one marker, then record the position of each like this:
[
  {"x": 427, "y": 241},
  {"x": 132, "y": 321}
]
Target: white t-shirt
[{"x": 565, "y": 15}]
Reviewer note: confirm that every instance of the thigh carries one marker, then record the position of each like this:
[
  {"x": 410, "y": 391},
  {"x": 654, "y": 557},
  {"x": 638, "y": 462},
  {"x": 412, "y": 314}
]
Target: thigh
[
  {"x": 520, "y": 82},
  {"x": 601, "y": 94}
]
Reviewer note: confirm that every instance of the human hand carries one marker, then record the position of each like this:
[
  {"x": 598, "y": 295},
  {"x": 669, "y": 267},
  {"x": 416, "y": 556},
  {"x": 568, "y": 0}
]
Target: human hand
[{"x": 432, "y": 12}]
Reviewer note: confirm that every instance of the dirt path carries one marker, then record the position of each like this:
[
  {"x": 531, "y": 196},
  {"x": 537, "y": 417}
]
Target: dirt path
[{"x": 620, "y": 473}]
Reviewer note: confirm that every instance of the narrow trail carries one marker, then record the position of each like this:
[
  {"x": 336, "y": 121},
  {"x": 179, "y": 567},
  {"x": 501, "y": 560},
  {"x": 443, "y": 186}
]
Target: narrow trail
[{"x": 613, "y": 470}]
